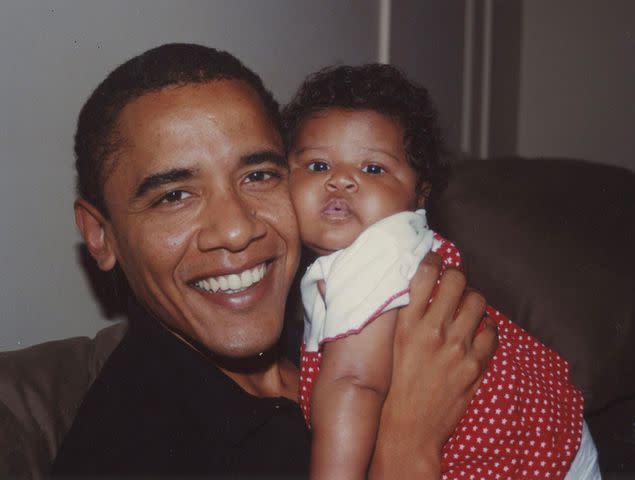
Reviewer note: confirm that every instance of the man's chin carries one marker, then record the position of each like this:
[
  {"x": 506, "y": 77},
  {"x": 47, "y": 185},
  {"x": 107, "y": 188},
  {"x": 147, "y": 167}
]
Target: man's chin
[
  {"x": 248, "y": 360},
  {"x": 231, "y": 349},
  {"x": 245, "y": 343}
]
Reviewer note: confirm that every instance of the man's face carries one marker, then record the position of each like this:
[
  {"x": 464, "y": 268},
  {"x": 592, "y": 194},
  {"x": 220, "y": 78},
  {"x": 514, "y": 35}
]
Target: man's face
[
  {"x": 348, "y": 170},
  {"x": 200, "y": 216}
]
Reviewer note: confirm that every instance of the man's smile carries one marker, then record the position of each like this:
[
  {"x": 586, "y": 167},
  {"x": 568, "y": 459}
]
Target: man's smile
[
  {"x": 240, "y": 290},
  {"x": 233, "y": 282}
]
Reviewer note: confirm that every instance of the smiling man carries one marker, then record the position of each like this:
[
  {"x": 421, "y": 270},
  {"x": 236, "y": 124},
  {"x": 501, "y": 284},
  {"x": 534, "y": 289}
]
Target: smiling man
[
  {"x": 182, "y": 181},
  {"x": 192, "y": 203},
  {"x": 186, "y": 159}
]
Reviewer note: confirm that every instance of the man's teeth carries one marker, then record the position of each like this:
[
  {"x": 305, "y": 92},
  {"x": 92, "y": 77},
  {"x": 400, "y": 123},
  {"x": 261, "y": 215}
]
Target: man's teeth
[{"x": 234, "y": 282}]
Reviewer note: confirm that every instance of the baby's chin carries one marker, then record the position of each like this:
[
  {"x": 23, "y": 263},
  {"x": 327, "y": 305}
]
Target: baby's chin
[
  {"x": 326, "y": 247},
  {"x": 328, "y": 241}
]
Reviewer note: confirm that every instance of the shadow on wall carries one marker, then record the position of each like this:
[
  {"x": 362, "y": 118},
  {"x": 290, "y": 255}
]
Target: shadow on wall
[{"x": 110, "y": 289}]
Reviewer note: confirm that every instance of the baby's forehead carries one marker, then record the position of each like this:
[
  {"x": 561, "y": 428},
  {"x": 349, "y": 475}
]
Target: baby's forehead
[
  {"x": 359, "y": 112},
  {"x": 338, "y": 122}
]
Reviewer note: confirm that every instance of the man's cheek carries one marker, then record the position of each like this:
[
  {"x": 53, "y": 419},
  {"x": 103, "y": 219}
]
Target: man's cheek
[{"x": 171, "y": 243}]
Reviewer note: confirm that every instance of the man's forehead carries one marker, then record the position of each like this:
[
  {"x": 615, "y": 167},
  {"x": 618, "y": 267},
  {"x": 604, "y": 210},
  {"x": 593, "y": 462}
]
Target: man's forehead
[
  {"x": 224, "y": 104},
  {"x": 216, "y": 93},
  {"x": 178, "y": 127}
]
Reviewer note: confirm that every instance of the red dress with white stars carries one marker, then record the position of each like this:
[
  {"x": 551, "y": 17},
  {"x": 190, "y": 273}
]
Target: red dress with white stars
[{"x": 525, "y": 420}]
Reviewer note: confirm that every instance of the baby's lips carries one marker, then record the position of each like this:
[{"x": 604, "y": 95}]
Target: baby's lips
[{"x": 336, "y": 206}]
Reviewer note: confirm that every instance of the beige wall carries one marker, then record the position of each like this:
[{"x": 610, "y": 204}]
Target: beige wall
[
  {"x": 562, "y": 86},
  {"x": 53, "y": 53},
  {"x": 577, "y": 80},
  {"x": 427, "y": 43}
]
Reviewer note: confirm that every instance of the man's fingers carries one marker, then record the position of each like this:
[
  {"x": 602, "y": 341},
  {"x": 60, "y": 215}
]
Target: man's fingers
[
  {"x": 485, "y": 343},
  {"x": 469, "y": 316},
  {"x": 423, "y": 282},
  {"x": 447, "y": 298},
  {"x": 421, "y": 288}
]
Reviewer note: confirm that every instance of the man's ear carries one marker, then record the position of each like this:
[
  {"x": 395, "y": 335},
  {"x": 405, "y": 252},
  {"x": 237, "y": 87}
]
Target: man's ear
[{"x": 92, "y": 225}]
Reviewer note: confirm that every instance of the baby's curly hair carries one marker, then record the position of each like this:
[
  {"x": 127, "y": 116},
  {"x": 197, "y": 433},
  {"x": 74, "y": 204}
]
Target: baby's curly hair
[{"x": 386, "y": 90}]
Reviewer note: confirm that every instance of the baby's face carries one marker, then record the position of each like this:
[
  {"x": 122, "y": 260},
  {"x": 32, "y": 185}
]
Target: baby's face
[{"x": 348, "y": 170}]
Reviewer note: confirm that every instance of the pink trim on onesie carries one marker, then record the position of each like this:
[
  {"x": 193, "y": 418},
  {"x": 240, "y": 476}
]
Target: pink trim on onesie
[{"x": 374, "y": 315}]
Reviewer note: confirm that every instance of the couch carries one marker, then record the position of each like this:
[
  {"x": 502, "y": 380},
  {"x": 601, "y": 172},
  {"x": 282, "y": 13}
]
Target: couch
[
  {"x": 551, "y": 242},
  {"x": 548, "y": 241}
]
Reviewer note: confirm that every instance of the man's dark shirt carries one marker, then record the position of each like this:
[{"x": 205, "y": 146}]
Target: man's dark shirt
[{"x": 160, "y": 408}]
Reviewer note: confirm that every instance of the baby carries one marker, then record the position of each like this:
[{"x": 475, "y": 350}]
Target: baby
[{"x": 364, "y": 154}]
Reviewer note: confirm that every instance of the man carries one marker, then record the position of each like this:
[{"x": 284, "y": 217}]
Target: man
[{"x": 183, "y": 185}]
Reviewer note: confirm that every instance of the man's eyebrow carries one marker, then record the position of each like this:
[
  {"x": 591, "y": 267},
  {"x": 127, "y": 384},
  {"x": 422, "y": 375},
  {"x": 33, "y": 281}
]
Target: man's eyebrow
[
  {"x": 162, "y": 178},
  {"x": 265, "y": 156}
]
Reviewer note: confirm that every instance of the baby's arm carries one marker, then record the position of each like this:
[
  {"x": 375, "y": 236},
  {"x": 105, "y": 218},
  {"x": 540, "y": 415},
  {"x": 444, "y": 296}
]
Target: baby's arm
[{"x": 347, "y": 400}]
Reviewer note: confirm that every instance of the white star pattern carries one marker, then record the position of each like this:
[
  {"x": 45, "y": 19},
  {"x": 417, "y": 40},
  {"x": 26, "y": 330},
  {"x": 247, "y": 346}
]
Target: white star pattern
[{"x": 525, "y": 374}]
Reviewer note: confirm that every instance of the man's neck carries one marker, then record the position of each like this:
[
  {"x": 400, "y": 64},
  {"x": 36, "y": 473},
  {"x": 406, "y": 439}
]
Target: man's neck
[
  {"x": 262, "y": 376},
  {"x": 266, "y": 374}
]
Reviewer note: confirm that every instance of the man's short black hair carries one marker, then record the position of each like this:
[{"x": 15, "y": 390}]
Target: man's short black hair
[
  {"x": 96, "y": 139},
  {"x": 383, "y": 89}
]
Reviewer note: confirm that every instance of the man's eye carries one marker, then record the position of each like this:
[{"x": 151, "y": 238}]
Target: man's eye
[
  {"x": 318, "y": 166},
  {"x": 373, "y": 169},
  {"x": 261, "y": 176},
  {"x": 174, "y": 196}
]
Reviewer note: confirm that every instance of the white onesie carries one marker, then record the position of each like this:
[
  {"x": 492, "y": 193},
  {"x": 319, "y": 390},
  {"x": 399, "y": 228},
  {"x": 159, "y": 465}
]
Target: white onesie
[{"x": 360, "y": 286}]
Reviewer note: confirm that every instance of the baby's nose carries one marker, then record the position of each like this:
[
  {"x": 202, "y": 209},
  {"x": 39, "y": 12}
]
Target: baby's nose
[{"x": 341, "y": 181}]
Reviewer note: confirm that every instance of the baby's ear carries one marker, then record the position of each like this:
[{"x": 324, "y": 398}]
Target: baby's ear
[{"x": 423, "y": 192}]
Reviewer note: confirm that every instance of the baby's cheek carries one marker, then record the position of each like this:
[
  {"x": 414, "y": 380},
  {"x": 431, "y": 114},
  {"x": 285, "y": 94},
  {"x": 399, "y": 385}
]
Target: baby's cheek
[
  {"x": 380, "y": 207},
  {"x": 388, "y": 201},
  {"x": 297, "y": 193},
  {"x": 306, "y": 204}
]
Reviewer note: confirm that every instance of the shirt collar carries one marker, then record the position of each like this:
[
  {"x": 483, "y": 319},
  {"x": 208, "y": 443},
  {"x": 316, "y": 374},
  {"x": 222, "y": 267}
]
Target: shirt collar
[{"x": 194, "y": 379}]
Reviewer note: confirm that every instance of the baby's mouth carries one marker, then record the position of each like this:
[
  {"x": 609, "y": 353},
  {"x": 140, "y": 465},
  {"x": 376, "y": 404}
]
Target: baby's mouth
[{"x": 337, "y": 208}]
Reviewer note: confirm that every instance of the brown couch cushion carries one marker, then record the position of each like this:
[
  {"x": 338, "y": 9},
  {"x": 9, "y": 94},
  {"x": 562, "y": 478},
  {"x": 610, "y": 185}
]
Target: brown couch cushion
[
  {"x": 41, "y": 388},
  {"x": 551, "y": 244}
]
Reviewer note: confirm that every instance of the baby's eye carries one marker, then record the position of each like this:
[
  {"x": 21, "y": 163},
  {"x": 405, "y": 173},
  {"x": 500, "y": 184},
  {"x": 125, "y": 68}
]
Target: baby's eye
[
  {"x": 373, "y": 169},
  {"x": 174, "y": 196},
  {"x": 261, "y": 176},
  {"x": 318, "y": 166}
]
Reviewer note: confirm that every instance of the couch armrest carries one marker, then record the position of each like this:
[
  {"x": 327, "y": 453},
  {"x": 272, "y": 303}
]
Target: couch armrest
[{"x": 41, "y": 388}]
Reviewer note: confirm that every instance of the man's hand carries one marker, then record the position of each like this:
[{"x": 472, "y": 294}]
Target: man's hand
[{"x": 438, "y": 365}]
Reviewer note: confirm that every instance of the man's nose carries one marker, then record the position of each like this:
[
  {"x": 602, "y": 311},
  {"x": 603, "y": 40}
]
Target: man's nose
[
  {"x": 230, "y": 223},
  {"x": 341, "y": 180}
]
